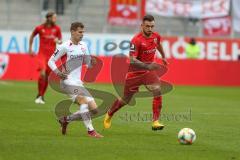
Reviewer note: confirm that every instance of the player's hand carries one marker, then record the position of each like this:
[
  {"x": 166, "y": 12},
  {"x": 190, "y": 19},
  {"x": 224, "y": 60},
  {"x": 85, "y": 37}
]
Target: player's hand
[
  {"x": 56, "y": 40},
  {"x": 153, "y": 66},
  {"x": 62, "y": 75},
  {"x": 165, "y": 62}
]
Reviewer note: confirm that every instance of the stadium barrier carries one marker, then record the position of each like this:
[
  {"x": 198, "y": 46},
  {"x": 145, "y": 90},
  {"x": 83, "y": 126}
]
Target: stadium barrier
[
  {"x": 180, "y": 72},
  {"x": 217, "y": 64}
]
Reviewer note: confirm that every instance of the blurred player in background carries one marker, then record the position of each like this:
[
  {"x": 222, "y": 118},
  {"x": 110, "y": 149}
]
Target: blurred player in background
[
  {"x": 49, "y": 35},
  {"x": 192, "y": 49},
  {"x": 77, "y": 54},
  {"x": 142, "y": 54}
]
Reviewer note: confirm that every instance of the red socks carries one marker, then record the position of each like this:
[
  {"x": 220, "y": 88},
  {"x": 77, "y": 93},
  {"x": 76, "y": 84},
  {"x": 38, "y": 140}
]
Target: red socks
[
  {"x": 156, "y": 107},
  {"x": 115, "y": 107},
  {"x": 42, "y": 85}
]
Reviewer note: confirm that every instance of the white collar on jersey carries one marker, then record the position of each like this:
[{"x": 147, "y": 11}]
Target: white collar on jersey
[{"x": 80, "y": 42}]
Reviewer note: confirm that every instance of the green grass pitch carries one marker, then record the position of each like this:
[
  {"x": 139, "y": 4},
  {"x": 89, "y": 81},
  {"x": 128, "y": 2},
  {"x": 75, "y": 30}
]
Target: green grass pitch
[{"x": 30, "y": 132}]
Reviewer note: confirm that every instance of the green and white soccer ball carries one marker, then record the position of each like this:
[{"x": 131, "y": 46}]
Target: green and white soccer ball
[{"x": 186, "y": 136}]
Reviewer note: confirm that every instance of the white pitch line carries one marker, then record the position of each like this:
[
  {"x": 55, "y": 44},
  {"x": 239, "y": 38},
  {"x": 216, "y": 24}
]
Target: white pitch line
[
  {"x": 5, "y": 83},
  {"x": 37, "y": 110}
]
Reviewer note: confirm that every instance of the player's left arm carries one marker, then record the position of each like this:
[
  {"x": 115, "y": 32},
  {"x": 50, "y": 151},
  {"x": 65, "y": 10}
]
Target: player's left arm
[{"x": 161, "y": 51}]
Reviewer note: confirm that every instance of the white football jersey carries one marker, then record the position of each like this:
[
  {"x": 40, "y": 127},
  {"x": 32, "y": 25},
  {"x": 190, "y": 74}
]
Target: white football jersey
[{"x": 76, "y": 56}]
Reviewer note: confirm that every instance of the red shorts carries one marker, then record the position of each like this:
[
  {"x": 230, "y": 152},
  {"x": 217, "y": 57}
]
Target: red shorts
[
  {"x": 43, "y": 63},
  {"x": 133, "y": 83}
]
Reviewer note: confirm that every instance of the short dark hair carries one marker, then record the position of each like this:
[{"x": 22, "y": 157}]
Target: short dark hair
[
  {"x": 50, "y": 14},
  {"x": 148, "y": 18},
  {"x": 75, "y": 25}
]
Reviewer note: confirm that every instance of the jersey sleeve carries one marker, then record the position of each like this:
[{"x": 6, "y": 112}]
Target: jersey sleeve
[
  {"x": 134, "y": 48},
  {"x": 36, "y": 30},
  {"x": 59, "y": 52}
]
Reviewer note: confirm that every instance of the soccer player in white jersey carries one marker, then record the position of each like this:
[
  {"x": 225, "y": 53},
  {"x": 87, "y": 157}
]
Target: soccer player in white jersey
[{"x": 77, "y": 54}]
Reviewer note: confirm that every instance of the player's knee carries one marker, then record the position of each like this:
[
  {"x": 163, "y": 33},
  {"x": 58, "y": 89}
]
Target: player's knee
[
  {"x": 81, "y": 100},
  {"x": 153, "y": 88},
  {"x": 156, "y": 93},
  {"x": 94, "y": 111},
  {"x": 92, "y": 104},
  {"x": 42, "y": 73}
]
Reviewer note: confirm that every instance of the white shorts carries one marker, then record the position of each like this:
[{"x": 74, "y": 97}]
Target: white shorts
[{"x": 74, "y": 89}]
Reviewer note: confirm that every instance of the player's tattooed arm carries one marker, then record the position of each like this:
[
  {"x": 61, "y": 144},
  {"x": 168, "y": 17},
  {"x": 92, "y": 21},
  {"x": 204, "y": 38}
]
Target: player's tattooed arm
[
  {"x": 134, "y": 48},
  {"x": 142, "y": 65},
  {"x": 161, "y": 51}
]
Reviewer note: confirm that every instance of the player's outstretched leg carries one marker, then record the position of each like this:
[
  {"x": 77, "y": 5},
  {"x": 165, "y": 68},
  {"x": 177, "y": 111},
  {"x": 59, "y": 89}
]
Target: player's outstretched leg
[
  {"x": 118, "y": 104},
  {"x": 108, "y": 117}
]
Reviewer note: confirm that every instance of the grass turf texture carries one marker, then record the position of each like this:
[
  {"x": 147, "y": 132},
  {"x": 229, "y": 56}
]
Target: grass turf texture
[{"x": 29, "y": 131}]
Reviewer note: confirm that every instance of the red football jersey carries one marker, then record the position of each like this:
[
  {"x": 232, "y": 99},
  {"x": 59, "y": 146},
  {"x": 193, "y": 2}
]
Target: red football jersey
[
  {"x": 47, "y": 36},
  {"x": 143, "y": 49}
]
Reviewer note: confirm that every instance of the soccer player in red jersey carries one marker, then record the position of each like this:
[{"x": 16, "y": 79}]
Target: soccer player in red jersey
[
  {"x": 142, "y": 54},
  {"x": 50, "y": 35}
]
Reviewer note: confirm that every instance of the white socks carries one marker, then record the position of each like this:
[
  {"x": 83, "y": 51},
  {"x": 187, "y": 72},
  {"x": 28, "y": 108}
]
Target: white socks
[
  {"x": 83, "y": 113},
  {"x": 86, "y": 117}
]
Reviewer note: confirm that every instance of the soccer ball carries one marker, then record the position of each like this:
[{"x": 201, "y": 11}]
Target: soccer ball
[{"x": 186, "y": 136}]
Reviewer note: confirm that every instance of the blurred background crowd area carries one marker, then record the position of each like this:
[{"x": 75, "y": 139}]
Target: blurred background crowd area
[{"x": 26, "y": 14}]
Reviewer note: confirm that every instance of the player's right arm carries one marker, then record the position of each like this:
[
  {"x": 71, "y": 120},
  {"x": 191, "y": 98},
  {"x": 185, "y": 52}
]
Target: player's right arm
[
  {"x": 134, "y": 51},
  {"x": 60, "y": 51},
  {"x": 34, "y": 33}
]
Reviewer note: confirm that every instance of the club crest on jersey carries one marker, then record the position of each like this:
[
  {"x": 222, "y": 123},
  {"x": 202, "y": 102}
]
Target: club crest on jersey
[
  {"x": 4, "y": 59},
  {"x": 132, "y": 47}
]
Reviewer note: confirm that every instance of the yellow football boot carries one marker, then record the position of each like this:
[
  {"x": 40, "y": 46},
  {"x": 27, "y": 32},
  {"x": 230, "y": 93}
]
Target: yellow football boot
[
  {"x": 157, "y": 126},
  {"x": 107, "y": 121}
]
